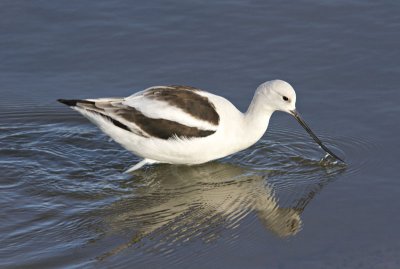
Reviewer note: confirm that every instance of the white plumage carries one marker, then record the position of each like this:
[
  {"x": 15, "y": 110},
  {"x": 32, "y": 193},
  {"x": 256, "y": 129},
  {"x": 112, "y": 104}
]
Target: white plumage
[{"x": 184, "y": 125}]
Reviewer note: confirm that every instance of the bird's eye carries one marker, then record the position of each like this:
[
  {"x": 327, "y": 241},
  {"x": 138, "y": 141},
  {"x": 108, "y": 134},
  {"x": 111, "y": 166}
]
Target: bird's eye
[{"x": 285, "y": 98}]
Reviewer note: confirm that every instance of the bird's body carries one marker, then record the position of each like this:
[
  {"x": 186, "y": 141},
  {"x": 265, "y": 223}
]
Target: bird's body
[{"x": 184, "y": 125}]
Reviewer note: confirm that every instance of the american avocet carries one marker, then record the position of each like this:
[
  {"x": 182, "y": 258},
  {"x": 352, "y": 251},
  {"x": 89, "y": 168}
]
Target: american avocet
[{"x": 185, "y": 125}]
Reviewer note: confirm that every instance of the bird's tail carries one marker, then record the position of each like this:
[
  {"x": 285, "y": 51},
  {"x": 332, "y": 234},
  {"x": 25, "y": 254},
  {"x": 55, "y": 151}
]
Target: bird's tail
[
  {"x": 86, "y": 104},
  {"x": 107, "y": 108}
]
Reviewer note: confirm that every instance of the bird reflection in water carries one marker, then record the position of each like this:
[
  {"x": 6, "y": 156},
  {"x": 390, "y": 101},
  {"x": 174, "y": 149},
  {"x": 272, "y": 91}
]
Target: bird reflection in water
[{"x": 174, "y": 204}]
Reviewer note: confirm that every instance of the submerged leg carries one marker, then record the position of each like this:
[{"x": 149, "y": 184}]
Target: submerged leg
[{"x": 140, "y": 165}]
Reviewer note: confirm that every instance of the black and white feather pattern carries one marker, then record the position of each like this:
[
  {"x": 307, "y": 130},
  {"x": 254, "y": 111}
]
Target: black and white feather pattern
[{"x": 163, "y": 112}]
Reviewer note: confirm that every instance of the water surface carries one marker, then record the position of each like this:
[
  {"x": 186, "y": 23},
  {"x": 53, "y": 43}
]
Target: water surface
[{"x": 66, "y": 203}]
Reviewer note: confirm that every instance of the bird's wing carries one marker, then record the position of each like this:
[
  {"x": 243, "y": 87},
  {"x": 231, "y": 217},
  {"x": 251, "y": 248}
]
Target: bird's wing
[{"x": 162, "y": 112}]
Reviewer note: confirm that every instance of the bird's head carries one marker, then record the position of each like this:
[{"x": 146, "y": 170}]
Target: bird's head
[{"x": 280, "y": 95}]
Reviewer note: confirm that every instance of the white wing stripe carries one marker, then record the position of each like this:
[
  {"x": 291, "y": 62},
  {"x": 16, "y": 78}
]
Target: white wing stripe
[{"x": 162, "y": 110}]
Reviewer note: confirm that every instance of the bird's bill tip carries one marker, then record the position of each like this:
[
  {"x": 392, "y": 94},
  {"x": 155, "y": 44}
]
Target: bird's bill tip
[{"x": 297, "y": 116}]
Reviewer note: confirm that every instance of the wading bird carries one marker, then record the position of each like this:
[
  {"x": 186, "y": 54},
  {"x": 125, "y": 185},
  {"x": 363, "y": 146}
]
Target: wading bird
[{"x": 186, "y": 125}]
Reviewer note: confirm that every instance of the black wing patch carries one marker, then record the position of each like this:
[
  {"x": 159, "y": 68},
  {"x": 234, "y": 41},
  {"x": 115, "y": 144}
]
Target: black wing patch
[
  {"x": 186, "y": 98},
  {"x": 161, "y": 128}
]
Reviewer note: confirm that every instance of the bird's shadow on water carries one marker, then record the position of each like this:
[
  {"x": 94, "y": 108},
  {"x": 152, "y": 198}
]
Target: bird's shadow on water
[{"x": 172, "y": 205}]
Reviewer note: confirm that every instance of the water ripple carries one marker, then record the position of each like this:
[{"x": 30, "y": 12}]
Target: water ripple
[{"x": 75, "y": 184}]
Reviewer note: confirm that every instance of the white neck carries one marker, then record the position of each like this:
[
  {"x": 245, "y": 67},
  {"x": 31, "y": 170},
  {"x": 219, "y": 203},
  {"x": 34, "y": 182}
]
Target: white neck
[{"x": 256, "y": 119}]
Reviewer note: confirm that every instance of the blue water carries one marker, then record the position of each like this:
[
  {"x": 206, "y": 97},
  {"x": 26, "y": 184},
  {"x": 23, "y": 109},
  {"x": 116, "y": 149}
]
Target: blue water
[{"x": 66, "y": 204}]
